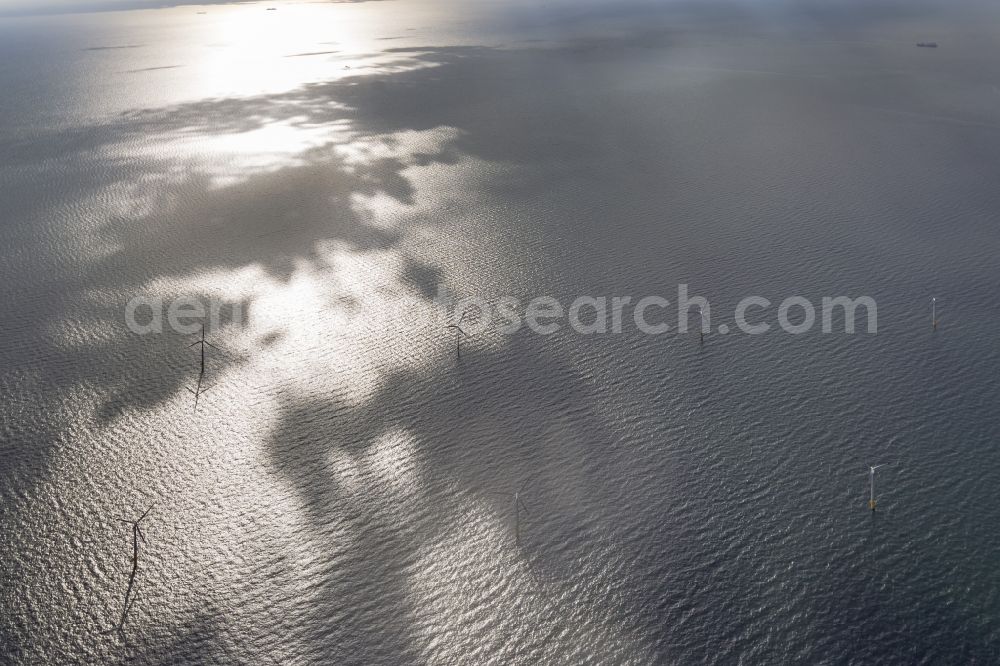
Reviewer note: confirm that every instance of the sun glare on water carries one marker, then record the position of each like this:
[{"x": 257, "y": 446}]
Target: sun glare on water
[{"x": 254, "y": 50}]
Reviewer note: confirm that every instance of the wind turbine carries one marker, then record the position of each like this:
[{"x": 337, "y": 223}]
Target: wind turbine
[
  {"x": 136, "y": 536},
  {"x": 934, "y": 313},
  {"x": 871, "y": 480},
  {"x": 518, "y": 505},
  {"x": 459, "y": 332},
  {"x": 197, "y": 390}
]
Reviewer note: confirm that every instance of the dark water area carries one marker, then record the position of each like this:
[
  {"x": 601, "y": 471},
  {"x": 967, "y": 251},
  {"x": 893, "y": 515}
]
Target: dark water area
[{"x": 323, "y": 171}]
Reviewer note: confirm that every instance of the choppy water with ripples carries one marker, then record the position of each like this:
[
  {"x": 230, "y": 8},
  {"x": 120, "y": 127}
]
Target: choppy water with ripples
[{"x": 323, "y": 170}]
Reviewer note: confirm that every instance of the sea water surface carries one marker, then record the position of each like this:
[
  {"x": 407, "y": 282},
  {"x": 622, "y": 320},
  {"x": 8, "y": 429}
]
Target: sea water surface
[{"x": 323, "y": 171}]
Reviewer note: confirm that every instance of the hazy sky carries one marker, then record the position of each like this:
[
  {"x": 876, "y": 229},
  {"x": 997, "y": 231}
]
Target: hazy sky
[{"x": 27, "y": 7}]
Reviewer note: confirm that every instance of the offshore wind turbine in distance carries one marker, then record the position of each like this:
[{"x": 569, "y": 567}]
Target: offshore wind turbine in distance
[
  {"x": 198, "y": 390},
  {"x": 136, "y": 536},
  {"x": 871, "y": 485},
  {"x": 459, "y": 332},
  {"x": 518, "y": 505}
]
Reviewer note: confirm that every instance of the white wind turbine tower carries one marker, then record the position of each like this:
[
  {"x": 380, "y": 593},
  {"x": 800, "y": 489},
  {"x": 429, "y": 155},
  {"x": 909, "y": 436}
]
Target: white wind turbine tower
[
  {"x": 517, "y": 505},
  {"x": 871, "y": 482}
]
